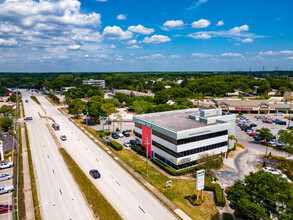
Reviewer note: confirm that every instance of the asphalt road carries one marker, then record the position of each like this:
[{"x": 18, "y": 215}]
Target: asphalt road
[
  {"x": 124, "y": 193},
  {"x": 59, "y": 195}
]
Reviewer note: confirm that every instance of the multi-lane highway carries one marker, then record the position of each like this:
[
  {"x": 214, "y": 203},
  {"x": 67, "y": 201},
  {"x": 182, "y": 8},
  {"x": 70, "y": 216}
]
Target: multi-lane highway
[
  {"x": 124, "y": 193},
  {"x": 59, "y": 196}
]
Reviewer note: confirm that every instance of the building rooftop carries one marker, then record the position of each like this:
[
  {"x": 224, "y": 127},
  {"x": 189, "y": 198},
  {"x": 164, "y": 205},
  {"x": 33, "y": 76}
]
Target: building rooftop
[{"x": 174, "y": 120}]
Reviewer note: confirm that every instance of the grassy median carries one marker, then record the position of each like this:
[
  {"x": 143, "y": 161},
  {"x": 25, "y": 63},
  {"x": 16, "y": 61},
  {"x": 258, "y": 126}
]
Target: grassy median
[
  {"x": 100, "y": 206},
  {"x": 32, "y": 176},
  {"x": 35, "y": 99}
]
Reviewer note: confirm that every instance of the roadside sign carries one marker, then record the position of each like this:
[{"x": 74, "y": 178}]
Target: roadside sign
[
  {"x": 200, "y": 179},
  {"x": 10, "y": 116},
  {"x": 169, "y": 183},
  {"x": 10, "y": 93}
]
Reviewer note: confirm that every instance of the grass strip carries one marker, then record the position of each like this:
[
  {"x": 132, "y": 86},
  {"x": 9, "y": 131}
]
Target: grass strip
[
  {"x": 32, "y": 176},
  {"x": 35, "y": 99},
  {"x": 100, "y": 206},
  {"x": 23, "y": 114}
]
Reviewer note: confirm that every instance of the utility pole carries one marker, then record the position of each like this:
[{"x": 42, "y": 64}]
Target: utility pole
[{"x": 17, "y": 141}]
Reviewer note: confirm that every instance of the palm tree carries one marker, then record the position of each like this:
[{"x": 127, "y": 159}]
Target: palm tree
[{"x": 230, "y": 139}]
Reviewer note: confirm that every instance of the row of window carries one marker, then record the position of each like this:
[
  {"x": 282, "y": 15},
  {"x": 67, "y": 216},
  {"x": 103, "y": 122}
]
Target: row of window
[
  {"x": 189, "y": 152},
  {"x": 202, "y": 137},
  {"x": 175, "y": 166}
]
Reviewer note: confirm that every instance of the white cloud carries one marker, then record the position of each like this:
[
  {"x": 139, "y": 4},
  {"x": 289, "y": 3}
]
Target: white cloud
[
  {"x": 202, "y": 23},
  {"x": 141, "y": 29},
  {"x": 116, "y": 33},
  {"x": 8, "y": 42},
  {"x": 121, "y": 17},
  {"x": 112, "y": 46},
  {"x": 203, "y": 55},
  {"x": 173, "y": 23},
  {"x": 231, "y": 55},
  {"x": 247, "y": 40},
  {"x": 276, "y": 52},
  {"x": 156, "y": 39},
  {"x": 239, "y": 29},
  {"x": 220, "y": 23},
  {"x": 197, "y": 3},
  {"x": 199, "y": 36},
  {"x": 174, "y": 56},
  {"x": 133, "y": 47},
  {"x": 286, "y": 52},
  {"x": 131, "y": 42},
  {"x": 152, "y": 57},
  {"x": 74, "y": 47}
]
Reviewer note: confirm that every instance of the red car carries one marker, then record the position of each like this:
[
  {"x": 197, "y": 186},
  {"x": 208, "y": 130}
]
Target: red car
[
  {"x": 5, "y": 208},
  {"x": 267, "y": 121},
  {"x": 252, "y": 134}
]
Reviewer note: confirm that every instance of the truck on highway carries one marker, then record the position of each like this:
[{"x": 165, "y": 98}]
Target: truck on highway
[{"x": 55, "y": 126}]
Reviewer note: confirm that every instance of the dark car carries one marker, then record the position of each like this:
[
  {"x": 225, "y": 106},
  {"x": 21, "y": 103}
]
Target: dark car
[
  {"x": 5, "y": 208},
  {"x": 115, "y": 136},
  {"x": 252, "y": 125},
  {"x": 243, "y": 127},
  {"x": 290, "y": 128},
  {"x": 95, "y": 174},
  {"x": 132, "y": 142},
  {"x": 281, "y": 122},
  {"x": 125, "y": 133},
  {"x": 28, "y": 118},
  {"x": 26, "y": 101}
]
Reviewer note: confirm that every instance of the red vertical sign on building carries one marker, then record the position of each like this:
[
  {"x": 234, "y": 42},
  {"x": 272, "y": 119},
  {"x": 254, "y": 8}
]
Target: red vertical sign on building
[{"x": 147, "y": 137}]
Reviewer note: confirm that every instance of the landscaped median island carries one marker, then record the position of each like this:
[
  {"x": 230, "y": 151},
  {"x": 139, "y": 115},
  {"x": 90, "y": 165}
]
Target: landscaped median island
[
  {"x": 32, "y": 176},
  {"x": 99, "y": 205},
  {"x": 178, "y": 193},
  {"x": 35, "y": 99}
]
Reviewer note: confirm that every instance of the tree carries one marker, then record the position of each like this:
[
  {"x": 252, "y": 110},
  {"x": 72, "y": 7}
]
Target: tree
[
  {"x": 141, "y": 106},
  {"x": 108, "y": 108},
  {"x": 265, "y": 133},
  {"x": 5, "y": 109},
  {"x": 287, "y": 138},
  {"x": 262, "y": 195},
  {"x": 76, "y": 107},
  {"x": 158, "y": 86},
  {"x": 161, "y": 98},
  {"x": 241, "y": 96},
  {"x": 210, "y": 163},
  {"x": 5, "y": 123}
]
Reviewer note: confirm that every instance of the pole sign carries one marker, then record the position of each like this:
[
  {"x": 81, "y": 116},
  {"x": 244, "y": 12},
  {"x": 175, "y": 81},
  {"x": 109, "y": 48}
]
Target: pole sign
[
  {"x": 169, "y": 183},
  {"x": 10, "y": 116},
  {"x": 200, "y": 179},
  {"x": 10, "y": 94}
]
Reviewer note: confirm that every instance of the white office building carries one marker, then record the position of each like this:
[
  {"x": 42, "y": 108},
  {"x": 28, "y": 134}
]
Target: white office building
[
  {"x": 93, "y": 82},
  {"x": 178, "y": 138}
]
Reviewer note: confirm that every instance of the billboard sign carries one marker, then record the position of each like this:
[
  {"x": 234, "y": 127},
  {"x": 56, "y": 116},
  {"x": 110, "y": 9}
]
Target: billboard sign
[
  {"x": 200, "y": 179},
  {"x": 147, "y": 139},
  {"x": 169, "y": 183},
  {"x": 10, "y": 93}
]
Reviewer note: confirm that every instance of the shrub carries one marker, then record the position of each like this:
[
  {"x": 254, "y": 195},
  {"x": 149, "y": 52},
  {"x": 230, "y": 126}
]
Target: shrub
[
  {"x": 193, "y": 201},
  {"x": 115, "y": 145},
  {"x": 129, "y": 130},
  {"x": 107, "y": 133},
  {"x": 227, "y": 216},
  {"x": 220, "y": 199},
  {"x": 173, "y": 172},
  {"x": 54, "y": 98},
  {"x": 102, "y": 134},
  {"x": 117, "y": 129}
]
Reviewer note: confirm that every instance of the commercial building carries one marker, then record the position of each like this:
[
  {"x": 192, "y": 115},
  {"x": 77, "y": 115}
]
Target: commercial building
[
  {"x": 93, "y": 82},
  {"x": 179, "y": 138}
]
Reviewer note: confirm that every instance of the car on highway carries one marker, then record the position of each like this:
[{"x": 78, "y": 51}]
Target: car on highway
[
  {"x": 115, "y": 136},
  {"x": 63, "y": 137},
  {"x": 5, "y": 208},
  {"x": 95, "y": 174},
  {"x": 120, "y": 134},
  {"x": 55, "y": 126},
  {"x": 6, "y": 189},
  {"x": 125, "y": 133},
  {"x": 126, "y": 144},
  {"x": 267, "y": 121},
  {"x": 272, "y": 170},
  {"x": 4, "y": 177},
  {"x": 28, "y": 118},
  {"x": 4, "y": 165}
]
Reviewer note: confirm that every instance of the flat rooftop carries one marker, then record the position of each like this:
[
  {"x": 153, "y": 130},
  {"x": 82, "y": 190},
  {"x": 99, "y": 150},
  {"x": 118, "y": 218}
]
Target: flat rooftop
[{"x": 174, "y": 120}]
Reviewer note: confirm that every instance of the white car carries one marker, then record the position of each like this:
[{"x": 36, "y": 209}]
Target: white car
[
  {"x": 4, "y": 165},
  {"x": 6, "y": 189},
  {"x": 285, "y": 177},
  {"x": 4, "y": 177},
  {"x": 63, "y": 137},
  {"x": 272, "y": 170},
  {"x": 126, "y": 144},
  {"x": 120, "y": 134},
  {"x": 249, "y": 131},
  {"x": 279, "y": 114},
  {"x": 273, "y": 142}
]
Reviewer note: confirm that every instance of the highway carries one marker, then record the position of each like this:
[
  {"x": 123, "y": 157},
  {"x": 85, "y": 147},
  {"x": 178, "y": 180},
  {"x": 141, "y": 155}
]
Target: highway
[
  {"x": 124, "y": 193},
  {"x": 59, "y": 196}
]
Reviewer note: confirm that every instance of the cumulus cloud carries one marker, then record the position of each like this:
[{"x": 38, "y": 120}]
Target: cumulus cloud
[
  {"x": 247, "y": 40},
  {"x": 8, "y": 42},
  {"x": 203, "y": 55},
  {"x": 199, "y": 36},
  {"x": 202, "y": 23},
  {"x": 121, "y": 17},
  {"x": 140, "y": 29},
  {"x": 276, "y": 52},
  {"x": 173, "y": 23},
  {"x": 116, "y": 33},
  {"x": 152, "y": 57},
  {"x": 156, "y": 39},
  {"x": 134, "y": 41},
  {"x": 174, "y": 56},
  {"x": 220, "y": 23},
  {"x": 74, "y": 47},
  {"x": 231, "y": 55},
  {"x": 241, "y": 28}
]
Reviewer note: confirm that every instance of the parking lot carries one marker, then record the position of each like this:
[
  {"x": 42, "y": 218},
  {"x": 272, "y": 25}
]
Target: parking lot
[{"x": 6, "y": 198}]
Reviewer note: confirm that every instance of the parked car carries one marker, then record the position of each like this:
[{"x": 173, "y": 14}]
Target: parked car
[
  {"x": 279, "y": 114},
  {"x": 125, "y": 133},
  {"x": 243, "y": 118},
  {"x": 106, "y": 140},
  {"x": 252, "y": 133},
  {"x": 4, "y": 165},
  {"x": 252, "y": 125},
  {"x": 95, "y": 174},
  {"x": 63, "y": 137},
  {"x": 132, "y": 142},
  {"x": 272, "y": 170},
  {"x": 290, "y": 128},
  {"x": 280, "y": 144},
  {"x": 248, "y": 131},
  {"x": 4, "y": 177},
  {"x": 242, "y": 127},
  {"x": 258, "y": 138},
  {"x": 120, "y": 134},
  {"x": 5, "y": 208},
  {"x": 126, "y": 144},
  {"x": 6, "y": 189},
  {"x": 267, "y": 121},
  {"x": 279, "y": 122},
  {"x": 115, "y": 136},
  {"x": 28, "y": 118},
  {"x": 273, "y": 141},
  {"x": 259, "y": 117}
]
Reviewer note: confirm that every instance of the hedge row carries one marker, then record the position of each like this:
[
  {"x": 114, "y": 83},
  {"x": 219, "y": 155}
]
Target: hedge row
[
  {"x": 35, "y": 99},
  {"x": 104, "y": 134},
  {"x": 54, "y": 98},
  {"x": 171, "y": 171},
  {"x": 220, "y": 199},
  {"x": 115, "y": 145},
  {"x": 138, "y": 150}
]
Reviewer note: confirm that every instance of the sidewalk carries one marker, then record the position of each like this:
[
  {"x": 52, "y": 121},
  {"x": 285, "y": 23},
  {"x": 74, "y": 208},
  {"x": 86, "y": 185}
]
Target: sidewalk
[
  {"x": 230, "y": 160},
  {"x": 28, "y": 197}
]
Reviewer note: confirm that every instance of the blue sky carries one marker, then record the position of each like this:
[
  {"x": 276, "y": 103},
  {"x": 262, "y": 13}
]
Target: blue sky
[{"x": 145, "y": 35}]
